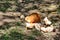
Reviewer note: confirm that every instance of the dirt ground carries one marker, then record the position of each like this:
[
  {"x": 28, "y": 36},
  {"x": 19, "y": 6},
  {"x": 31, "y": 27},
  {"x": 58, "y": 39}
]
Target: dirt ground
[{"x": 13, "y": 24}]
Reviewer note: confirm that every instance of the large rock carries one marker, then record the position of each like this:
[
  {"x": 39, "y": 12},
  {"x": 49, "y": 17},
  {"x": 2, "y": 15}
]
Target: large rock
[
  {"x": 9, "y": 20},
  {"x": 54, "y": 17},
  {"x": 12, "y": 14},
  {"x": 34, "y": 11},
  {"x": 1, "y": 23},
  {"x": 52, "y": 7},
  {"x": 28, "y": 5},
  {"x": 48, "y": 7},
  {"x": 1, "y": 17},
  {"x": 50, "y": 1}
]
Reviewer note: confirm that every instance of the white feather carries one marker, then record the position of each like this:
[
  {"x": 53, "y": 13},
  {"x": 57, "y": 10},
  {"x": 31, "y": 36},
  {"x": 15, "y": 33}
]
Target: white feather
[
  {"x": 48, "y": 29},
  {"x": 37, "y": 26},
  {"x": 47, "y": 22}
]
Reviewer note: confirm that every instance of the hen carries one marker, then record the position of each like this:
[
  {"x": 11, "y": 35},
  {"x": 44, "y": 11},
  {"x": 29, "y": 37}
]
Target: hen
[{"x": 32, "y": 19}]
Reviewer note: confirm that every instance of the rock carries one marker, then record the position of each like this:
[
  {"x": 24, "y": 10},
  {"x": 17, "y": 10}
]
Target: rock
[
  {"x": 57, "y": 25},
  {"x": 52, "y": 7},
  {"x": 10, "y": 13},
  {"x": 49, "y": 1},
  {"x": 54, "y": 17},
  {"x": 51, "y": 14},
  {"x": 1, "y": 13},
  {"x": 1, "y": 17},
  {"x": 47, "y": 7},
  {"x": 20, "y": 0},
  {"x": 16, "y": 13},
  {"x": 13, "y": 8},
  {"x": 22, "y": 16},
  {"x": 9, "y": 20},
  {"x": 28, "y": 5},
  {"x": 23, "y": 10},
  {"x": 43, "y": 15},
  {"x": 1, "y": 23},
  {"x": 2, "y": 32},
  {"x": 34, "y": 11},
  {"x": 44, "y": 9}
]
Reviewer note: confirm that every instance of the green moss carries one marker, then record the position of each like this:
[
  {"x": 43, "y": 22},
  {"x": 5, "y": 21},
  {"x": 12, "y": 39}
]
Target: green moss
[
  {"x": 36, "y": 33},
  {"x": 4, "y": 6},
  {"x": 16, "y": 36},
  {"x": 18, "y": 23},
  {"x": 58, "y": 10}
]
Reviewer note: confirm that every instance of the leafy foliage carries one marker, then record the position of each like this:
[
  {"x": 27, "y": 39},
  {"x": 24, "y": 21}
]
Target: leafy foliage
[
  {"x": 58, "y": 10},
  {"x": 16, "y": 36},
  {"x": 4, "y": 6}
]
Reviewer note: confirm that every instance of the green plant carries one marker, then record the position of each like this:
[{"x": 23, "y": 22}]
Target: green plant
[
  {"x": 36, "y": 32},
  {"x": 5, "y": 26},
  {"x": 16, "y": 36},
  {"x": 4, "y": 6},
  {"x": 58, "y": 10},
  {"x": 18, "y": 23}
]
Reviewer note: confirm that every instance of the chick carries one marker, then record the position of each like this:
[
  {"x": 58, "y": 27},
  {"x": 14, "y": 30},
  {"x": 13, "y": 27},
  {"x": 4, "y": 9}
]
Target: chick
[
  {"x": 47, "y": 29},
  {"x": 47, "y": 22},
  {"x": 32, "y": 19}
]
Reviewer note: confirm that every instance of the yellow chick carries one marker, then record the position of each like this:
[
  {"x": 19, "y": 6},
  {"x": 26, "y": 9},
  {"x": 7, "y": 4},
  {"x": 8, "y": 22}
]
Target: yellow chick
[{"x": 32, "y": 19}]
